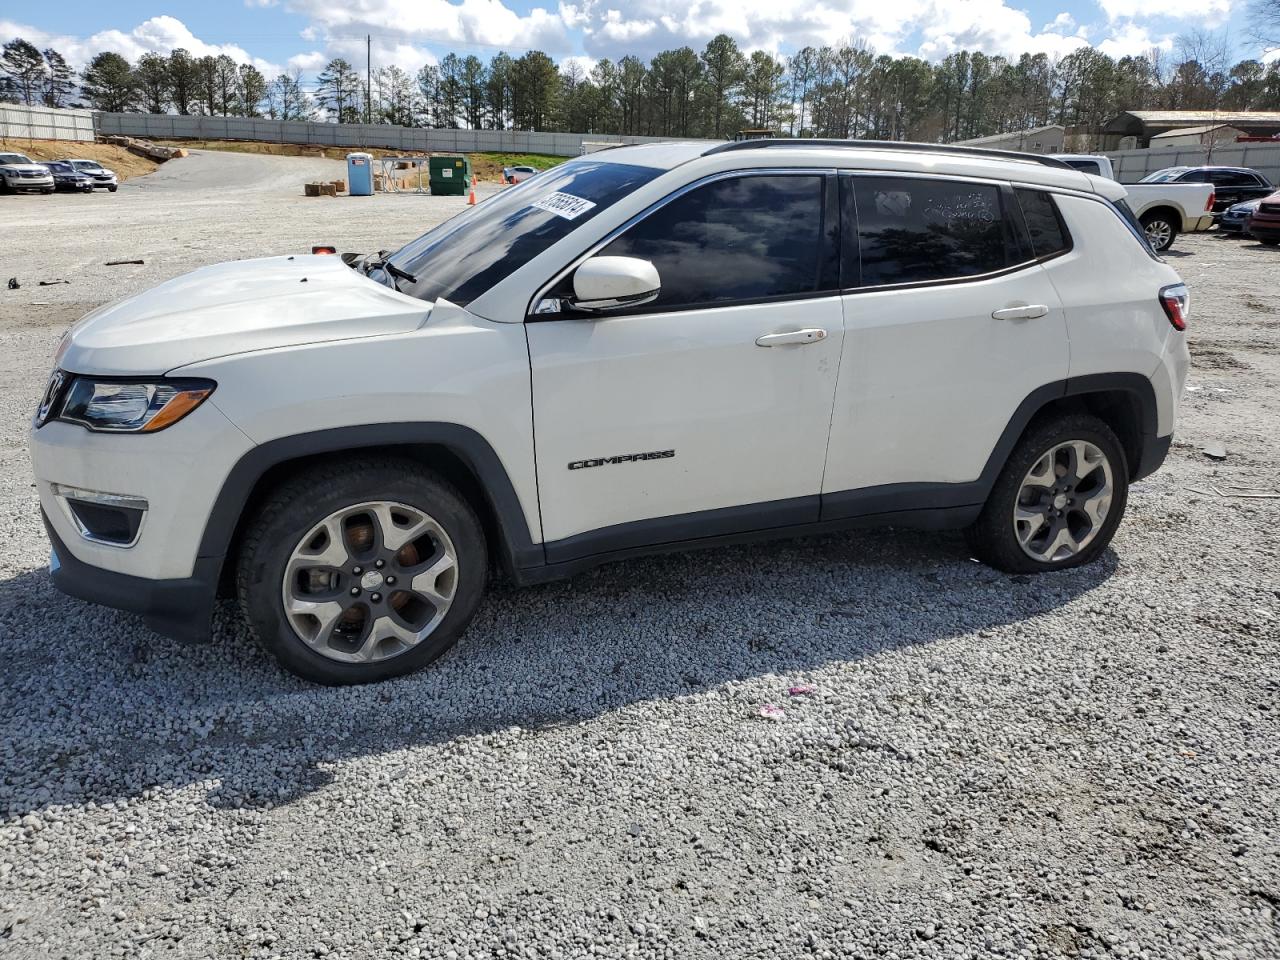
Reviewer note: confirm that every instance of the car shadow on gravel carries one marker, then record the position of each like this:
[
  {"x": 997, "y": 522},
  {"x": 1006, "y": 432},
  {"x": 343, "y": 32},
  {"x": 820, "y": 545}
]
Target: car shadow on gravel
[{"x": 93, "y": 706}]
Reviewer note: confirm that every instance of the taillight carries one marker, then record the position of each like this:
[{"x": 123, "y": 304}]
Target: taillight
[
  {"x": 1208, "y": 207},
  {"x": 1176, "y": 301},
  {"x": 319, "y": 250}
]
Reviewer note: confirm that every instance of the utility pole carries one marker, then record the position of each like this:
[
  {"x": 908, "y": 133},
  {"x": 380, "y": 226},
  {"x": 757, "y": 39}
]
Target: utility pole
[{"x": 368, "y": 78}]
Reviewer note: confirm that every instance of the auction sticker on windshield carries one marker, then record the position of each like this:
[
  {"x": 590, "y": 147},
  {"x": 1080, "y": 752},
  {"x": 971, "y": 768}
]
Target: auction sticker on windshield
[{"x": 564, "y": 205}]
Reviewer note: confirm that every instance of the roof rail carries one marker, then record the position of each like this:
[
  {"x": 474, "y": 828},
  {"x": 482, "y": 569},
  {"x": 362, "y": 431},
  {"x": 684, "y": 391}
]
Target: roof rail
[{"x": 904, "y": 145}]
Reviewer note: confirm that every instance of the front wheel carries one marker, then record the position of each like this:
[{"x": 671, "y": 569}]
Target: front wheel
[
  {"x": 1057, "y": 502},
  {"x": 1160, "y": 231},
  {"x": 112, "y": 188},
  {"x": 1269, "y": 241},
  {"x": 361, "y": 572}
]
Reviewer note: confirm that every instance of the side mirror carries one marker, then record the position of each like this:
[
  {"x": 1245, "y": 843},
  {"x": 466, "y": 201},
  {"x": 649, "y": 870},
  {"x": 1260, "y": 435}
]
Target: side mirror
[{"x": 608, "y": 283}]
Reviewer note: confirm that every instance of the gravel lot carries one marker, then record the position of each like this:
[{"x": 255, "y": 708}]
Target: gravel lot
[{"x": 1085, "y": 764}]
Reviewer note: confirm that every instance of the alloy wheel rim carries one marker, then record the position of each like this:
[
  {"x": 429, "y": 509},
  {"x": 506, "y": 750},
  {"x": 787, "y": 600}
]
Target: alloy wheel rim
[
  {"x": 1158, "y": 233},
  {"x": 370, "y": 581},
  {"x": 1063, "y": 501}
]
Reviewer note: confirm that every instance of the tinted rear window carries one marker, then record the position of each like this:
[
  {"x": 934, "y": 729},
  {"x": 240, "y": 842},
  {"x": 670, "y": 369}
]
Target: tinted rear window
[
  {"x": 1087, "y": 166},
  {"x": 914, "y": 231},
  {"x": 1044, "y": 223},
  {"x": 463, "y": 257}
]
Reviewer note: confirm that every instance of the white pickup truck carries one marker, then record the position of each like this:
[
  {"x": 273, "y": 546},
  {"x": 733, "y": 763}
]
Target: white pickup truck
[{"x": 1163, "y": 209}]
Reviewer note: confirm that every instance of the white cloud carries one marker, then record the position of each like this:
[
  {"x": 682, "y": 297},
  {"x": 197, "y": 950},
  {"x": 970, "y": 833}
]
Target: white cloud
[
  {"x": 1210, "y": 13},
  {"x": 1132, "y": 40},
  {"x": 158, "y": 34},
  {"x": 990, "y": 26},
  {"x": 487, "y": 24}
]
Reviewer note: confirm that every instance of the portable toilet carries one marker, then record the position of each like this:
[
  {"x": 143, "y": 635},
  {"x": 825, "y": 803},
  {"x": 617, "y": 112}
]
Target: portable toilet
[
  {"x": 360, "y": 174},
  {"x": 449, "y": 176}
]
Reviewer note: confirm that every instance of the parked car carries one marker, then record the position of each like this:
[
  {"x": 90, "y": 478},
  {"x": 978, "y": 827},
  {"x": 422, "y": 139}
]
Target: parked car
[
  {"x": 67, "y": 177},
  {"x": 103, "y": 179},
  {"x": 676, "y": 346},
  {"x": 1095, "y": 163},
  {"x": 1234, "y": 217},
  {"x": 517, "y": 174},
  {"x": 1264, "y": 223},
  {"x": 1231, "y": 185},
  {"x": 18, "y": 173},
  {"x": 1164, "y": 210}
]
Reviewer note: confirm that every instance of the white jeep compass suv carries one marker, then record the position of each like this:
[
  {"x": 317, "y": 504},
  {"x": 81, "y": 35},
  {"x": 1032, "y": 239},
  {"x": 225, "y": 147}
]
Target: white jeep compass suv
[{"x": 644, "y": 349}]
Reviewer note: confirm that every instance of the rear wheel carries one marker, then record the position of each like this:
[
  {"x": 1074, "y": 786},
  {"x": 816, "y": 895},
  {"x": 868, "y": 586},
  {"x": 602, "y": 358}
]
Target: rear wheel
[
  {"x": 1160, "y": 230},
  {"x": 1057, "y": 502},
  {"x": 362, "y": 572}
]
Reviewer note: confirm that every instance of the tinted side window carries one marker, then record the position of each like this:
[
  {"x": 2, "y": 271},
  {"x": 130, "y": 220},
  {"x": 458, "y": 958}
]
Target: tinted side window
[
  {"x": 1195, "y": 176},
  {"x": 1088, "y": 166},
  {"x": 743, "y": 238},
  {"x": 1044, "y": 222},
  {"x": 911, "y": 231}
]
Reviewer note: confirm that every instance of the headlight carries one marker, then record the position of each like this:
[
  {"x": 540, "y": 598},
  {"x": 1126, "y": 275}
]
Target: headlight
[{"x": 123, "y": 406}]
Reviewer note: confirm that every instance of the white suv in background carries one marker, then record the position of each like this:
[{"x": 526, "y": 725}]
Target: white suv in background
[{"x": 644, "y": 349}]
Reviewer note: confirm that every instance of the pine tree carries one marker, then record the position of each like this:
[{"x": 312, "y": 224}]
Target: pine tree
[
  {"x": 25, "y": 69},
  {"x": 109, "y": 84}
]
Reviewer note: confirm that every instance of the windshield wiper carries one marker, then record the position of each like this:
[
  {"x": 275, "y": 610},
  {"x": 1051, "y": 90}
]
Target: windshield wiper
[
  {"x": 391, "y": 268},
  {"x": 395, "y": 271}
]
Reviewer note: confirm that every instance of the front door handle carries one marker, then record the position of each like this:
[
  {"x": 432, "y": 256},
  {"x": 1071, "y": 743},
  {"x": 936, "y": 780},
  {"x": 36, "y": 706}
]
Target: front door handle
[
  {"x": 1020, "y": 311},
  {"x": 812, "y": 335}
]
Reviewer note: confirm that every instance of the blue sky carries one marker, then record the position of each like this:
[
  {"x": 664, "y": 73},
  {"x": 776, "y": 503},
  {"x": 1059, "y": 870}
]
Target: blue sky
[{"x": 284, "y": 34}]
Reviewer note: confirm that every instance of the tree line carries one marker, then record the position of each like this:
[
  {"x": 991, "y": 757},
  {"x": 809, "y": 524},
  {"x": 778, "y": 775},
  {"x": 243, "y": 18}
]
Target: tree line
[{"x": 844, "y": 90}]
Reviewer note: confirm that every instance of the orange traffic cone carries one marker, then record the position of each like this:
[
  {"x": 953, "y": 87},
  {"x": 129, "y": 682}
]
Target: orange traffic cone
[
  {"x": 471, "y": 199},
  {"x": 474, "y": 181}
]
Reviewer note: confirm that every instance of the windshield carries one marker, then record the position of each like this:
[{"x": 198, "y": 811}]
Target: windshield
[
  {"x": 13, "y": 158},
  {"x": 1164, "y": 176},
  {"x": 86, "y": 164},
  {"x": 465, "y": 256}
]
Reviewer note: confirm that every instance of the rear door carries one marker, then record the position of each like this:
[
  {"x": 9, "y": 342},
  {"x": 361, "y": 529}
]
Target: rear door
[
  {"x": 950, "y": 323},
  {"x": 706, "y": 411}
]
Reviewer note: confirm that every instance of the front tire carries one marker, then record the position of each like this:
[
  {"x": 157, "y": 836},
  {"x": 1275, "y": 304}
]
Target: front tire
[
  {"x": 1160, "y": 230},
  {"x": 1058, "y": 500},
  {"x": 1269, "y": 241},
  {"x": 361, "y": 572},
  {"x": 112, "y": 188}
]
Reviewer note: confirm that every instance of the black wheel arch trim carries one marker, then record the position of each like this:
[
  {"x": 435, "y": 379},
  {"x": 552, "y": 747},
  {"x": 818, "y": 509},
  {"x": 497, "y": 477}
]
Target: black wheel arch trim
[{"x": 516, "y": 547}]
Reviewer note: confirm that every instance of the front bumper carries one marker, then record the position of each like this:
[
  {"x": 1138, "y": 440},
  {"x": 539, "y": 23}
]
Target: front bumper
[
  {"x": 1267, "y": 228},
  {"x": 180, "y": 608},
  {"x": 29, "y": 183},
  {"x": 1235, "y": 225}
]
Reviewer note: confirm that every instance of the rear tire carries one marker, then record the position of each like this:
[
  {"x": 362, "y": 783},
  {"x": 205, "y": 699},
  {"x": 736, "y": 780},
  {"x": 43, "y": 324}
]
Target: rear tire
[
  {"x": 390, "y": 591},
  {"x": 1160, "y": 231},
  {"x": 1058, "y": 500}
]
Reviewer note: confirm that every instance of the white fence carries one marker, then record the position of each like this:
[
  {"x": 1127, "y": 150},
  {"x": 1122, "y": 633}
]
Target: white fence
[
  {"x": 1132, "y": 165},
  {"x": 154, "y": 126},
  {"x": 18, "y": 122}
]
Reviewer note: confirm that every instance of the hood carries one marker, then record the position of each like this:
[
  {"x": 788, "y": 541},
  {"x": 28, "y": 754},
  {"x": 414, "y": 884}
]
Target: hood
[
  {"x": 26, "y": 167},
  {"x": 237, "y": 307}
]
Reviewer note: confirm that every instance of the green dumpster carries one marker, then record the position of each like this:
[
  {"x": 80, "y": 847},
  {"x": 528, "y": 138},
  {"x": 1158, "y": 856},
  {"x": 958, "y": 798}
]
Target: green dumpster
[{"x": 449, "y": 176}]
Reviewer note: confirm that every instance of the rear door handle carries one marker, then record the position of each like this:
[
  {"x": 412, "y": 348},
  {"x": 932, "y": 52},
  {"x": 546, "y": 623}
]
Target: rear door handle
[
  {"x": 1020, "y": 311},
  {"x": 812, "y": 335}
]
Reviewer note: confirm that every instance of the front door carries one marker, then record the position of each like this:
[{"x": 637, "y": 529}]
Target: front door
[{"x": 706, "y": 411}]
